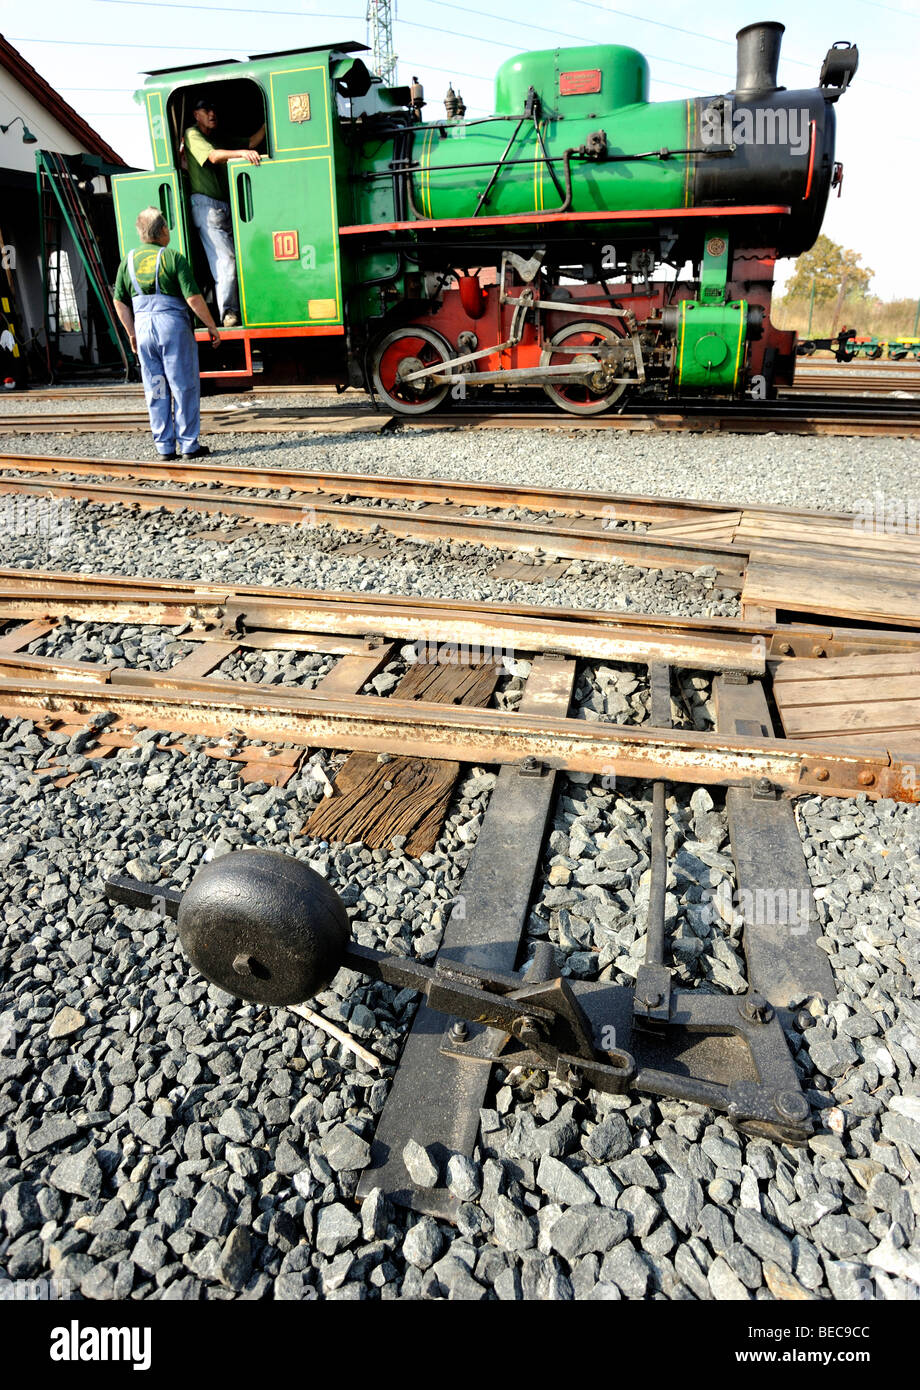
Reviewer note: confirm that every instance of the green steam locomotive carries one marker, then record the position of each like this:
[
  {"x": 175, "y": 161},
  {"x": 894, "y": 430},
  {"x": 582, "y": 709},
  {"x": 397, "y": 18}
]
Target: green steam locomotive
[{"x": 581, "y": 240}]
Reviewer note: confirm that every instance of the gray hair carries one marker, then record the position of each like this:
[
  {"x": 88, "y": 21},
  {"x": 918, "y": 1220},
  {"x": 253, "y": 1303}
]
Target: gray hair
[{"x": 150, "y": 223}]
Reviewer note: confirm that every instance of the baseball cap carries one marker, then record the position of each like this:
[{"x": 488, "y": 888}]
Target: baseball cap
[{"x": 203, "y": 102}]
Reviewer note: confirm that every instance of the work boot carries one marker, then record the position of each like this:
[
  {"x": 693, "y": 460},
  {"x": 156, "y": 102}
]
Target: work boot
[
  {"x": 199, "y": 452},
  {"x": 231, "y": 320}
]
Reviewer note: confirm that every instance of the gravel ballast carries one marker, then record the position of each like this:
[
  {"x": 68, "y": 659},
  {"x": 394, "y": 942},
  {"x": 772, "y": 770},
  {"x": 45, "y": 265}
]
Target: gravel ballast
[{"x": 161, "y": 1140}]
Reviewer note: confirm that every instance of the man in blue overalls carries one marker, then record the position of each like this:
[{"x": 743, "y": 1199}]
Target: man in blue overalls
[{"x": 152, "y": 289}]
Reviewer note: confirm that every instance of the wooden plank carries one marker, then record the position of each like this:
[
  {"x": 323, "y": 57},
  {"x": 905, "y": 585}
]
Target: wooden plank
[
  {"x": 722, "y": 534},
  {"x": 51, "y": 668},
  {"x": 833, "y": 547},
  {"x": 899, "y": 742},
  {"x": 404, "y": 796},
  {"x": 444, "y": 683},
  {"x": 827, "y": 543},
  {"x": 814, "y": 533},
  {"x": 775, "y": 894},
  {"x": 699, "y": 527},
  {"x": 829, "y": 719},
  {"x": 24, "y": 633},
  {"x": 836, "y": 560},
  {"x": 204, "y": 659},
  {"x": 757, "y": 612},
  {"x": 374, "y": 801},
  {"x": 844, "y": 667},
  {"x": 829, "y": 591},
  {"x": 858, "y": 690},
  {"x": 351, "y": 674},
  {"x": 436, "y": 1099},
  {"x": 300, "y": 642}
]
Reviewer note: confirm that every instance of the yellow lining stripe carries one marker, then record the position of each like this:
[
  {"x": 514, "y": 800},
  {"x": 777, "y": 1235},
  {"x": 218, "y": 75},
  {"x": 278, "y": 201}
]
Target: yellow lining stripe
[
  {"x": 431, "y": 146},
  {"x": 683, "y": 328},
  {"x": 536, "y": 165},
  {"x": 538, "y": 168},
  {"x": 741, "y": 319}
]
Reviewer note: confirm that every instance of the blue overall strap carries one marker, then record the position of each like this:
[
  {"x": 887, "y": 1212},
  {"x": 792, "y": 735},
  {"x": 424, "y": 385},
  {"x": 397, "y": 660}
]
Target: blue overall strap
[
  {"x": 156, "y": 272},
  {"x": 130, "y": 265}
]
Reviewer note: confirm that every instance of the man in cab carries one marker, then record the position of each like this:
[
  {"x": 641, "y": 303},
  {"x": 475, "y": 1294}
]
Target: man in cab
[{"x": 207, "y": 154}]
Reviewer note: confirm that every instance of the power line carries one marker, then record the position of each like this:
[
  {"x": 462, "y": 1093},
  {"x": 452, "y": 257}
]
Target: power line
[
  {"x": 450, "y": 33},
  {"x": 143, "y": 47},
  {"x": 710, "y": 38},
  {"x": 892, "y": 9},
  {"x": 674, "y": 28},
  {"x": 580, "y": 38},
  {"x": 497, "y": 43},
  {"x": 229, "y": 9},
  {"x": 419, "y": 64},
  {"x": 658, "y": 23}
]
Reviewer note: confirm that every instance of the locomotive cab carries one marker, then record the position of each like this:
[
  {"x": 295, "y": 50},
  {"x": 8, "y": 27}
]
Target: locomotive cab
[{"x": 284, "y": 210}]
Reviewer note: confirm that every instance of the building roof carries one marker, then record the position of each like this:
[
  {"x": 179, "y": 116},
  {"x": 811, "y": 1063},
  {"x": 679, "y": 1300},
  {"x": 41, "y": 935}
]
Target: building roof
[{"x": 54, "y": 103}]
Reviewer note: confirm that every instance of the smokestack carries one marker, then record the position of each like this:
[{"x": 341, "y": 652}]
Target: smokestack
[{"x": 758, "y": 58}]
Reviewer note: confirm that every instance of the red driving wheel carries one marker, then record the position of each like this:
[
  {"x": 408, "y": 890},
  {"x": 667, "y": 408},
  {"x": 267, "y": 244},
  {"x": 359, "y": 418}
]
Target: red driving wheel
[
  {"x": 580, "y": 342},
  {"x": 401, "y": 354}
]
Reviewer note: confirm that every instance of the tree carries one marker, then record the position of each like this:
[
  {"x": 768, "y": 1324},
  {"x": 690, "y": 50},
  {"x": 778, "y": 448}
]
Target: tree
[{"x": 834, "y": 271}]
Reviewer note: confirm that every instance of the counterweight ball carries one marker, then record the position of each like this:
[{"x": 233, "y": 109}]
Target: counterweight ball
[{"x": 263, "y": 926}]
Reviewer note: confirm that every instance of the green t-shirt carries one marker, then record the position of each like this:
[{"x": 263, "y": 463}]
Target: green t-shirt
[
  {"x": 204, "y": 177},
  {"x": 176, "y": 276}
]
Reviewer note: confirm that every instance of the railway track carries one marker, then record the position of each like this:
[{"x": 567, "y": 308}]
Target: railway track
[
  {"x": 737, "y": 1060},
  {"x": 859, "y": 381},
  {"x": 831, "y": 565},
  {"x": 795, "y": 413}
]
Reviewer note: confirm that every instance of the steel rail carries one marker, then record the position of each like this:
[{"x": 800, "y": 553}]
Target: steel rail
[
  {"x": 225, "y": 616},
  {"x": 467, "y": 734},
  {"x": 569, "y": 542},
  {"x": 830, "y": 383},
  {"x": 181, "y": 602},
  {"x": 842, "y": 416},
  {"x": 442, "y": 491}
]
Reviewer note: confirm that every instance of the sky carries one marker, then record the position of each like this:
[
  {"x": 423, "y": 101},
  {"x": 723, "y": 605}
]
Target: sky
[{"x": 100, "y": 49}]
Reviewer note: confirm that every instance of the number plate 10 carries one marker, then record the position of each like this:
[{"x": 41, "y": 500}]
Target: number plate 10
[{"x": 286, "y": 246}]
